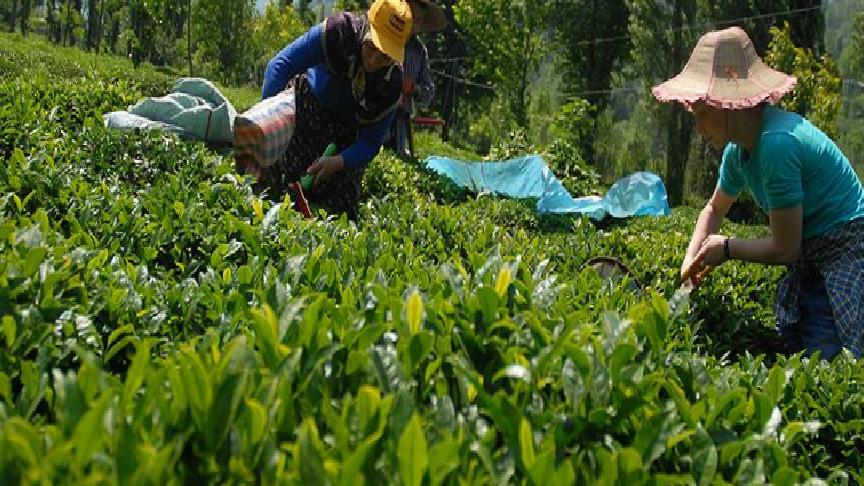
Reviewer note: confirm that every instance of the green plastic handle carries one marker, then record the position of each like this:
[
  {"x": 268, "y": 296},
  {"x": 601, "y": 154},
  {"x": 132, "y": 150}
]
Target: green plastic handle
[
  {"x": 330, "y": 150},
  {"x": 307, "y": 180}
]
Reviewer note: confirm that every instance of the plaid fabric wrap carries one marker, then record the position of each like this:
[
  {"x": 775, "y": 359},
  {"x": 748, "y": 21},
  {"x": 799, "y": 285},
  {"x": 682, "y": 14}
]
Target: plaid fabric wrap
[
  {"x": 317, "y": 126},
  {"x": 838, "y": 257},
  {"x": 262, "y": 134}
]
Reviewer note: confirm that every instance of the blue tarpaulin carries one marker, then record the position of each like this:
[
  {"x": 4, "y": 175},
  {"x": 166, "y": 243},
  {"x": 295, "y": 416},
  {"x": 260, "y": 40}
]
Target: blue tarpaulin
[{"x": 638, "y": 194}]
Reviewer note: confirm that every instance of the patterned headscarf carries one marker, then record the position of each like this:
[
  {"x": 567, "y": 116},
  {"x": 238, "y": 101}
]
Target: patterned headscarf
[{"x": 375, "y": 94}]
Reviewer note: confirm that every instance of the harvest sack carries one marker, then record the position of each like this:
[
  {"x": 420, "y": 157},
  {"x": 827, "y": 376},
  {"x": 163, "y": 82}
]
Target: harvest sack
[
  {"x": 262, "y": 133},
  {"x": 194, "y": 109}
]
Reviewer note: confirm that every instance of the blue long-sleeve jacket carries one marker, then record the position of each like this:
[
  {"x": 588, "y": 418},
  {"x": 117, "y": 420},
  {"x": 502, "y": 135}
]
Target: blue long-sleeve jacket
[{"x": 306, "y": 53}]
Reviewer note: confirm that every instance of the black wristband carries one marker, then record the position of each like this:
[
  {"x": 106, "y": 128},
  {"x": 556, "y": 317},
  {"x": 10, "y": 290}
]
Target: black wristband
[{"x": 726, "y": 248}]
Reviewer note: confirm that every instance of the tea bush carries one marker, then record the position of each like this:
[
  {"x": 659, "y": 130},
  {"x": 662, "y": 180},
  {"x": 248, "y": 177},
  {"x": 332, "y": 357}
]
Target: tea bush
[{"x": 161, "y": 323}]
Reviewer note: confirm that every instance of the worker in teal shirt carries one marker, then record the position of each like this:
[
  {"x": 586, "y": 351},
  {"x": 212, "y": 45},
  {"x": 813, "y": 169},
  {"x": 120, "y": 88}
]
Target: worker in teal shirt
[
  {"x": 795, "y": 163},
  {"x": 347, "y": 80},
  {"x": 797, "y": 174}
]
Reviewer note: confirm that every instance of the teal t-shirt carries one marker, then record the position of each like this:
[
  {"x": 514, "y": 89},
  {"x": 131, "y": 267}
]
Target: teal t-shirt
[{"x": 794, "y": 162}]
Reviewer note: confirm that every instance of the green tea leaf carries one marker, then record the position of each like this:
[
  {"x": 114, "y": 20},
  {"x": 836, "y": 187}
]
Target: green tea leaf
[
  {"x": 704, "y": 458},
  {"x": 23, "y": 441},
  {"x": 309, "y": 454},
  {"x": 629, "y": 463},
  {"x": 489, "y": 303},
  {"x": 35, "y": 257},
  {"x": 223, "y": 409},
  {"x": 503, "y": 281},
  {"x": 543, "y": 469},
  {"x": 10, "y": 330},
  {"x": 414, "y": 312},
  {"x": 785, "y": 476},
  {"x": 5, "y": 388},
  {"x": 526, "y": 444},
  {"x": 368, "y": 401},
  {"x": 418, "y": 349},
  {"x": 357, "y": 361},
  {"x": 89, "y": 434},
  {"x": 776, "y": 382},
  {"x": 358, "y": 457},
  {"x": 443, "y": 459},
  {"x": 266, "y": 328},
  {"x": 244, "y": 275},
  {"x": 136, "y": 375},
  {"x": 256, "y": 419},
  {"x": 412, "y": 453},
  {"x": 651, "y": 439}
]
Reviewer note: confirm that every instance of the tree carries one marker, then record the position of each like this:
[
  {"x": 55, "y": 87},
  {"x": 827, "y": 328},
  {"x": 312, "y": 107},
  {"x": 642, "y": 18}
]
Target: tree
[
  {"x": 343, "y": 5},
  {"x": 839, "y": 16},
  {"x": 24, "y": 16},
  {"x": 852, "y": 57},
  {"x": 72, "y": 21},
  {"x": 94, "y": 27},
  {"x": 310, "y": 14},
  {"x": 114, "y": 13},
  {"x": 852, "y": 116},
  {"x": 817, "y": 94},
  {"x": 157, "y": 28},
  {"x": 189, "y": 35},
  {"x": 805, "y": 17},
  {"x": 592, "y": 38},
  {"x": 140, "y": 23},
  {"x": 225, "y": 45},
  {"x": 101, "y": 23},
  {"x": 13, "y": 15},
  {"x": 507, "y": 43},
  {"x": 661, "y": 47},
  {"x": 53, "y": 23},
  {"x": 271, "y": 32}
]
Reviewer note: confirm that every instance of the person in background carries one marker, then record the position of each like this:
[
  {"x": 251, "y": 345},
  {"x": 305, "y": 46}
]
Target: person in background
[
  {"x": 417, "y": 85},
  {"x": 347, "y": 78},
  {"x": 814, "y": 199}
]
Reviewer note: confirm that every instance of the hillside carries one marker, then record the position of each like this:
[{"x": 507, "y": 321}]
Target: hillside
[{"x": 162, "y": 323}]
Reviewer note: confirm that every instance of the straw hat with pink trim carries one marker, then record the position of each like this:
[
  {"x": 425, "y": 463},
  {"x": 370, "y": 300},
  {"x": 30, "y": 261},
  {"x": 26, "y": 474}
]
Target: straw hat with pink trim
[{"x": 725, "y": 72}]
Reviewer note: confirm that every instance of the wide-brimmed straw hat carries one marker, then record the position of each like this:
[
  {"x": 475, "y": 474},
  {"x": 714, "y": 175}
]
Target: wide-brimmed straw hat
[
  {"x": 391, "y": 24},
  {"x": 428, "y": 16},
  {"x": 725, "y": 72}
]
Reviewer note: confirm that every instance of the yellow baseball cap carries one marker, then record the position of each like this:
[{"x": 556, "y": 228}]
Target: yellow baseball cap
[{"x": 391, "y": 23}]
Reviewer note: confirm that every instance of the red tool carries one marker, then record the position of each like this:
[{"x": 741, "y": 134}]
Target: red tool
[
  {"x": 306, "y": 182},
  {"x": 300, "y": 199}
]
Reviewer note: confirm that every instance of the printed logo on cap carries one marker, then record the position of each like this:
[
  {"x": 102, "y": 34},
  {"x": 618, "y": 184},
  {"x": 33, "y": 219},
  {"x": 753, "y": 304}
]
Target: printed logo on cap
[{"x": 397, "y": 22}]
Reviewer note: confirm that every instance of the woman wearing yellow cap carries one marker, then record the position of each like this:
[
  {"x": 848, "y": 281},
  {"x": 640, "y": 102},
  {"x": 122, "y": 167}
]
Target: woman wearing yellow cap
[
  {"x": 347, "y": 80},
  {"x": 814, "y": 199}
]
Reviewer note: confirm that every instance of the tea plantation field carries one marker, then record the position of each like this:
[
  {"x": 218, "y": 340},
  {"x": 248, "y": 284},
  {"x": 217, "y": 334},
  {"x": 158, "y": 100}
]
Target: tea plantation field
[{"x": 162, "y": 324}]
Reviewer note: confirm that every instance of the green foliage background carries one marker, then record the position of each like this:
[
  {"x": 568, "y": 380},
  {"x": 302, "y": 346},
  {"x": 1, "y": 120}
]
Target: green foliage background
[{"x": 504, "y": 67}]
